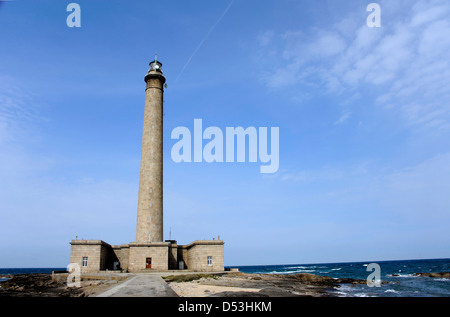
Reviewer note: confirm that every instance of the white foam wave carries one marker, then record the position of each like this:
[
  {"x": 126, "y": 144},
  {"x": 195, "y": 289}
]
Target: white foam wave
[
  {"x": 403, "y": 275},
  {"x": 341, "y": 294},
  {"x": 391, "y": 291},
  {"x": 338, "y": 269},
  {"x": 343, "y": 290},
  {"x": 291, "y": 272},
  {"x": 308, "y": 267}
]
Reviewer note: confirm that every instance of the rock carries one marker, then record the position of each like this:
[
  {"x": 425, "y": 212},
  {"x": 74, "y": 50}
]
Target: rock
[
  {"x": 33, "y": 285},
  {"x": 440, "y": 274},
  {"x": 350, "y": 281},
  {"x": 311, "y": 278}
]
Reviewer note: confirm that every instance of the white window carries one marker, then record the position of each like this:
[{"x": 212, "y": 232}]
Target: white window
[
  {"x": 84, "y": 261},
  {"x": 209, "y": 260}
]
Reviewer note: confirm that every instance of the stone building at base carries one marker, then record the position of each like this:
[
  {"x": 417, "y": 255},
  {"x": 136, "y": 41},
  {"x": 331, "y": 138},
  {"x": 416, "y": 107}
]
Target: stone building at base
[
  {"x": 149, "y": 252},
  {"x": 96, "y": 255}
]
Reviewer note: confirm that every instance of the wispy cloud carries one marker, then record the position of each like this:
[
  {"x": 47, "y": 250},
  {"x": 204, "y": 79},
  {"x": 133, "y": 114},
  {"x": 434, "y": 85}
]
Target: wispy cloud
[
  {"x": 344, "y": 117},
  {"x": 17, "y": 110},
  {"x": 405, "y": 62}
]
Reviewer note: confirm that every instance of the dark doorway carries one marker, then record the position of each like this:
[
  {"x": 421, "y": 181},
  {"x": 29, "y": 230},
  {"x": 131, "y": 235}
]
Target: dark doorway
[{"x": 148, "y": 263}]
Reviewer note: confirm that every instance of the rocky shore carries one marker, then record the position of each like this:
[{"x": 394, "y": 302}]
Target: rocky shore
[
  {"x": 256, "y": 285},
  {"x": 440, "y": 274},
  {"x": 44, "y": 285},
  {"x": 235, "y": 284}
]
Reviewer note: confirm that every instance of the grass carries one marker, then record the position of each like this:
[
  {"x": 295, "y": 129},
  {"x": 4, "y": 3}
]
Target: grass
[{"x": 188, "y": 277}]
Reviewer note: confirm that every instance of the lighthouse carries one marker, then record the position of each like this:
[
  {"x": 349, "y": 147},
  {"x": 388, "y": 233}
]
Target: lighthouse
[
  {"x": 149, "y": 227},
  {"x": 149, "y": 252}
]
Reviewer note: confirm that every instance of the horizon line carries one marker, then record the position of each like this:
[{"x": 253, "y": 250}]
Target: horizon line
[{"x": 427, "y": 259}]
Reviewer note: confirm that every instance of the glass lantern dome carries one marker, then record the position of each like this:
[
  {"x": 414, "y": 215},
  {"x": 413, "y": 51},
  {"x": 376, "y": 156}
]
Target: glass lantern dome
[{"x": 155, "y": 66}]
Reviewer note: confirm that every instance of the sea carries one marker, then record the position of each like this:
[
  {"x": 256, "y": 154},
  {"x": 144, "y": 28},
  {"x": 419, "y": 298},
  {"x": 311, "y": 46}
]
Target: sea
[{"x": 399, "y": 276}]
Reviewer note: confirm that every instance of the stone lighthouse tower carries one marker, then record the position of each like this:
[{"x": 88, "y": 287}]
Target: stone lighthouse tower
[
  {"x": 149, "y": 227},
  {"x": 149, "y": 251}
]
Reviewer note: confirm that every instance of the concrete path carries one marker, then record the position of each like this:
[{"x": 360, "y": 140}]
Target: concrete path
[{"x": 140, "y": 285}]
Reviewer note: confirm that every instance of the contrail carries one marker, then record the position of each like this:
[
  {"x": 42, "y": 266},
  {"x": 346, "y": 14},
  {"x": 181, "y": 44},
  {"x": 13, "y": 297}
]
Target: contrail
[{"x": 204, "y": 39}]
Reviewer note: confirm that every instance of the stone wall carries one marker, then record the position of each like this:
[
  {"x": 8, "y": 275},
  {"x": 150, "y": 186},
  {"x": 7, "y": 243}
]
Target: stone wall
[
  {"x": 122, "y": 252},
  {"x": 173, "y": 256},
  {"x": 182, "y": 256},
  {"x": 96, "y": 252},
  {"x": 158, "y": 251},
  {"x": 198, "y": 253},
  {"x": 107, "y": 257}
]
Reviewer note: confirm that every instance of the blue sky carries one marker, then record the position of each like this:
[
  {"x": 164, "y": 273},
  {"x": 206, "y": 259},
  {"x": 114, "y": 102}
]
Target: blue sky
[{"x": 363, "y": 113}]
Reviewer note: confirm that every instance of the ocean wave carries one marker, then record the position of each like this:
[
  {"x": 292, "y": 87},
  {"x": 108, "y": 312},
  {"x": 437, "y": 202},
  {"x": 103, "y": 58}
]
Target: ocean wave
[
  {"x": 308, "y": 267},
  {"x": 281, "y": 272},
  {"x": 391, "y": 291},
  {"x": 340, "y": 294},
  {"x": 402, "y": 275},
  {"x": 338, "y": 269},
  {"x": 291, "y": 272},
  {"x": 442, "y": 279},
  {"x": 343, "y": 290}
]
